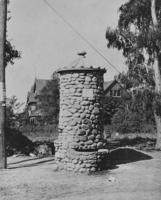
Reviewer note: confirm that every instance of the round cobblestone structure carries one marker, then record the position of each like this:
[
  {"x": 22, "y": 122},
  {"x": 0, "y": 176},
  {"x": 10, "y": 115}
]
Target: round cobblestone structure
[{"x": 80, "y": 119}]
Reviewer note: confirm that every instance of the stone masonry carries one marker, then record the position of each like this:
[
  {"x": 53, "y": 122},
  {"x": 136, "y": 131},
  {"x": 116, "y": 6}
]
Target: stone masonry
[{"x": 80, "y": 120}]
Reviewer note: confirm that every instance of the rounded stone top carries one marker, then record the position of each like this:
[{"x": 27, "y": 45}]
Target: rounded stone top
[
  {"x": 81, "y": 69},
  {"x": 79, "y": 66}
]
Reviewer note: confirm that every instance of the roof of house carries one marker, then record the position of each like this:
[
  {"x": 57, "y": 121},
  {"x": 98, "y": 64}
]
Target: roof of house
[
  {"x": 36, "y": 89},
  {"x": 31, "y": 97},
  {"x": 107, "y": 84},
  {"x": 39, "y": 84}
]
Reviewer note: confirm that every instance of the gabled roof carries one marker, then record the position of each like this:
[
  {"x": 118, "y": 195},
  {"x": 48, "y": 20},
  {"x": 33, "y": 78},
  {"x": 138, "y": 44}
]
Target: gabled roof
[
  {"x": 40, "y": 85},
  {"x": 108, "y": 85},
  {"x": 31, "y": 97},
  {"x": 36, "y": 89}
]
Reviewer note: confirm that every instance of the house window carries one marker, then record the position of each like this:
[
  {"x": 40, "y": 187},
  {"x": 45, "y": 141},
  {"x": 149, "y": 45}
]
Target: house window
[
  {"x": 116, "y": 93},
  {"x": 111, "y": 93}
]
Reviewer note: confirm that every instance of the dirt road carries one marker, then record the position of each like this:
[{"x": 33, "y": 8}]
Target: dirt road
[{"x": 30, "y": 178}]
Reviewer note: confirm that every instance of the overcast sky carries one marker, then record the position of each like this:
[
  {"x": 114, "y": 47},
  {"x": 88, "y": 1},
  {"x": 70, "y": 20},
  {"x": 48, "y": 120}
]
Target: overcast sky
[{"x": 47, "y": 43}]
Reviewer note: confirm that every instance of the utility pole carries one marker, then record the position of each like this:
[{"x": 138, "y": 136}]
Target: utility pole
[{"x": 3, "y": 19}]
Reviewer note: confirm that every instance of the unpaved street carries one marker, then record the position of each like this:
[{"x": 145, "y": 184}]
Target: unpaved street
[{"x": 30, "y": 178}]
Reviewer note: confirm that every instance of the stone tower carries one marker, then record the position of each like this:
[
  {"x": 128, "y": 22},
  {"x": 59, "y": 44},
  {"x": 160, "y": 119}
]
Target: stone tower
[{"x": 80, "y": 119}]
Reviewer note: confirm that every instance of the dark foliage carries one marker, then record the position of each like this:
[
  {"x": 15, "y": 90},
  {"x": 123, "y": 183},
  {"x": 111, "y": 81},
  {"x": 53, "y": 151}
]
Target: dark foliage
[
  {"x": 139, "y": 40},
  {"x": 134, "y": 34},
  {"x": 17, "y": 143},
  {"x": 11, "y": 53},
  {"x": 140, "y": 141},
  {"x": 134, "y": 112},
  {"x": 37, "y": 131},
  {"x": 44, "y": 148},
  {"x": 13, "y": 117},
  {"x": 110, "y": 107}
]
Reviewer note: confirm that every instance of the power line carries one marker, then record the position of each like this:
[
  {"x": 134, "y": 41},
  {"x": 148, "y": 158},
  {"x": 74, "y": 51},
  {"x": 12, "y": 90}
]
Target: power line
[{"x": 79, "y": 34}]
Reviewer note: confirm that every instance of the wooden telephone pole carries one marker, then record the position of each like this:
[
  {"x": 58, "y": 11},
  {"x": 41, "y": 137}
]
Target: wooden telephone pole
[{"x": 3, "y": 18}]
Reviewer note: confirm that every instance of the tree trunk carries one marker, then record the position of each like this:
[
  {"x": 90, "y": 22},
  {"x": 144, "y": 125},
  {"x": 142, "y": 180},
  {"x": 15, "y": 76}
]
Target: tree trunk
[
  {"x": 158, "y": 126},
  {"x": 158, "y": 91},
  {"x": 157, "y": 73},
  {"x": 153, "y": 13},
  {"x": 156, "y": 67}
]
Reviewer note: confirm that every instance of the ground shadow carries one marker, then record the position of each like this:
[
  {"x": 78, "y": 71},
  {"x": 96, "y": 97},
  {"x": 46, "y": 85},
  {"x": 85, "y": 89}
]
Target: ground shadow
[
  {"x": 11, "y": 166},
  {"x": 26, "y": 160},
  {"x": 119, "y": 156},
  {"x": 126, "y": 155},
  {"x": 143, "y": 142}
]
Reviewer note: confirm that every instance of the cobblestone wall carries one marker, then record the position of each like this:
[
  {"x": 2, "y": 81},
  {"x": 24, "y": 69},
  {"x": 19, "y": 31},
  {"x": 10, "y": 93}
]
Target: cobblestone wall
[{"x": 80, "y": 120}]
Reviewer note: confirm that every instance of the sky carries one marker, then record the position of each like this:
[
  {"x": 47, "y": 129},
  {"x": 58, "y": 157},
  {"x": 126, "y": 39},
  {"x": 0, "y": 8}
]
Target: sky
[{"x": 47, "y": 43}]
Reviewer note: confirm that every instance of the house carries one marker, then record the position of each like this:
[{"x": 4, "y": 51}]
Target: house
[
  {"x": 33, "y": 98},
  {"x": 112, "y": 89},
  {"x": 112, "y": 99}
]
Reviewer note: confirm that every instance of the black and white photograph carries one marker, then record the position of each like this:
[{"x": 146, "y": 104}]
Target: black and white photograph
[{"x": 80, "y": 99}]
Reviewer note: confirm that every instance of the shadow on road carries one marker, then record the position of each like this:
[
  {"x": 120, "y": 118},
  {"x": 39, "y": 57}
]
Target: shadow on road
[
  {"x": 127, "y": 155},
  {"x": 32, "y": 163},
  {"x": 26, "y": 160},
  {"x": 119, "y": 156}
]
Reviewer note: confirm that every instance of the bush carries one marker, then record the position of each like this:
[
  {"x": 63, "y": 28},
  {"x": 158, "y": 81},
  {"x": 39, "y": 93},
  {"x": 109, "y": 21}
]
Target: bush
[
  {"x": 34, "y": 131},
  {"x": 17, "y": 143},
  {"x": 131, "y": 122},
  {"x": 110, "y": 107},
  {"x": 44, "y": 148}
]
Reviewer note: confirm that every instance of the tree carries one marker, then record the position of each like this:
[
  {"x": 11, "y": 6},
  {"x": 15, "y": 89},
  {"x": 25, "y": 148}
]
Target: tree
[
  {"x": 10, "y": 51},
  {"x": 110, "y": 107},
  {"x": 138, "y": 36},
  {"x": 10, "y": 54},
  {"x": 135, "y": 112},
  {"x": 13, "y": 112}
]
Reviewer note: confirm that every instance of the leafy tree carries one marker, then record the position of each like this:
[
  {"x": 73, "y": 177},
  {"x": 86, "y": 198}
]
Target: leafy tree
[
  {"x": 138, "y": 37},
  {"x": 110, "y": 107},
  {"x": 12, "y": 103},
  {"x": 134, "y": 112},
  {"x": 13, "y": 112},
  {"x": 10, "y": 51},
  {"x": 139, "y": 94}
]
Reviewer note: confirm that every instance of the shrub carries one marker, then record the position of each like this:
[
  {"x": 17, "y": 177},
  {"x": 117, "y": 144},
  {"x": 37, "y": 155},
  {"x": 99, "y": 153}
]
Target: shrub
[{"x": 17, "y": 143}]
